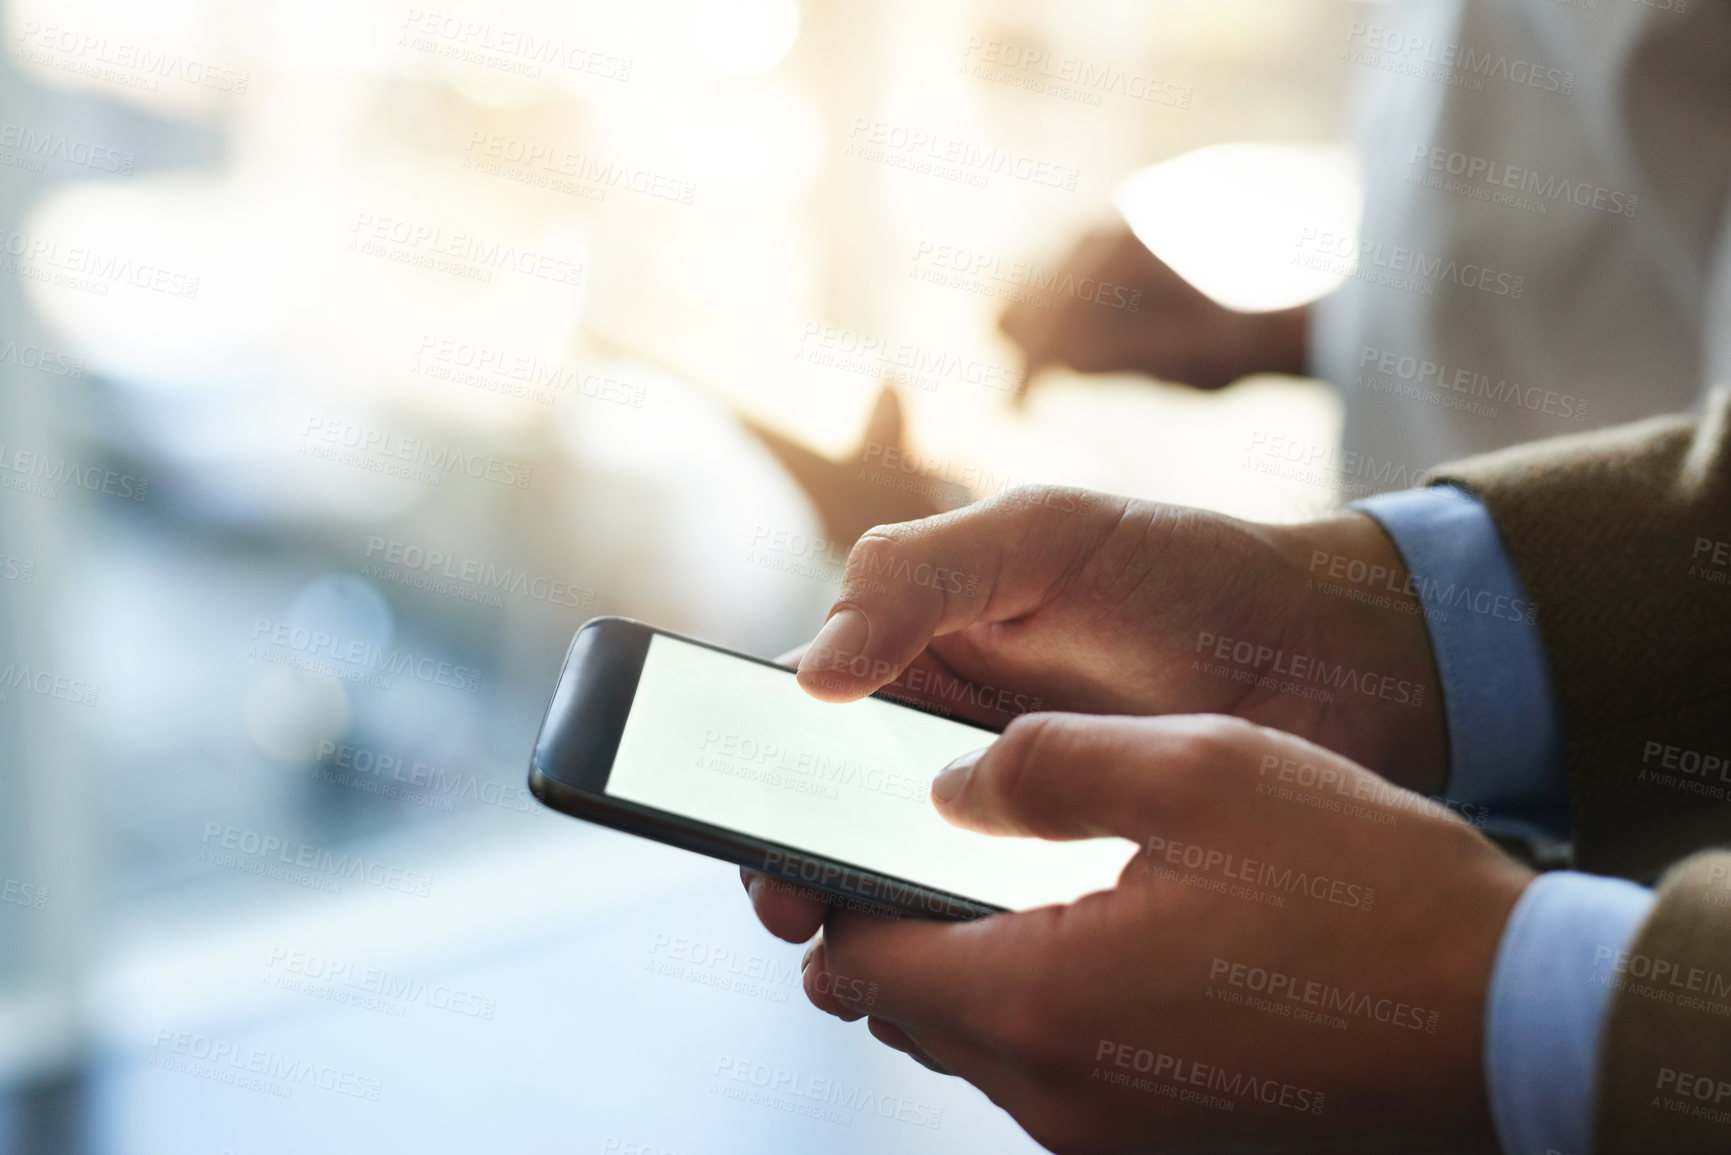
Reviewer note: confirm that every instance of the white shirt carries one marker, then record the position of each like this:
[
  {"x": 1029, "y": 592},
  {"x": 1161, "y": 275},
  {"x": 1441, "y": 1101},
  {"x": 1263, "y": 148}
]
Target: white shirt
[{"x": 1571, "y": 271}]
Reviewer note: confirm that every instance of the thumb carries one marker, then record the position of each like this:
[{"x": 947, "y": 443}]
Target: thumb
[{"x": 1070, "y": 776}]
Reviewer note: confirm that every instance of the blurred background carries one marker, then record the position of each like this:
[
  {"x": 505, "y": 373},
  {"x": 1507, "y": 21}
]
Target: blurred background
[{"x": 353, "y": 353}]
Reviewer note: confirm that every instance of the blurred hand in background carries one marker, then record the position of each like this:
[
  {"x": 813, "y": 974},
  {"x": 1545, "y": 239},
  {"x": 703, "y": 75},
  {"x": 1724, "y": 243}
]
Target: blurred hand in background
[{"x": 1175, "y": 332}]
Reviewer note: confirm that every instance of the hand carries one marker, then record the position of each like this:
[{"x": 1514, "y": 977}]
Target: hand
[
  {"x": 1066, "y": 600},
  {"x": 1298, "y": 939},
  {"x": 1175, "y": 332},
  {"x": 1101, "y": 604}
]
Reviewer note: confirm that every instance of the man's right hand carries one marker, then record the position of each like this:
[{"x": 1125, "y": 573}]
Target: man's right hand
[
  {"x": 1100, "y": 604},
  {"x": 1175, "y": 332}
]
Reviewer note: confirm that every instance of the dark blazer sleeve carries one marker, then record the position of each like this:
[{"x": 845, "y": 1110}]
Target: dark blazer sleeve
[{"x": 1623, "y": 538}]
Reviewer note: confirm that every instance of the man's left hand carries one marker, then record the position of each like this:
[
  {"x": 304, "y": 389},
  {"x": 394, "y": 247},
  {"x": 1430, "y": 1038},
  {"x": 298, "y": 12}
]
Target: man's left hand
[{"x": 1298, "y": 956}]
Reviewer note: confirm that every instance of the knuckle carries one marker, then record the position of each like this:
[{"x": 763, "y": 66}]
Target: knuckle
[
  {"x": 1032, "y": 499},
  {"x": 1024, "y": 493},
  {"x": 1213, "y": 742},
  {"x": 1024, "y": 730},
  {"x": 871, "y": 544},
  {"x": 1024, "y": 745},
  {"x": 887, "y": 552},
  {"x": 889, "y": 535},
  {"x": 1203, "y": 753}
]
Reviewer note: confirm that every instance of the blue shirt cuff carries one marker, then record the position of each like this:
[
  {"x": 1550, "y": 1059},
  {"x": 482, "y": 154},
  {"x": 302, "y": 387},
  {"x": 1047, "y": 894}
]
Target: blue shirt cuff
[
  {"x": 1561, "y": 957},
  {"x": 1505, "y": 747}
]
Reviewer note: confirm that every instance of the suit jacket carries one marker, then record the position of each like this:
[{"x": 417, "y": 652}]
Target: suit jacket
[{"x": 1623, "y": 537}]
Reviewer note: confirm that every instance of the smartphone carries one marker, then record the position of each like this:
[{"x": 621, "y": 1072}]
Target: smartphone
[{"x": 722, "y": 753}]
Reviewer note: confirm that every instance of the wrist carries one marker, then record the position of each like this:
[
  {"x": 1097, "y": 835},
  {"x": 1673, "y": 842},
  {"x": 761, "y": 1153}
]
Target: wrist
[
  {"x": 1288, "y": 342},
  {"x": 1466, "y": 976},
  {"x": 1357, "y": 609},
  {"x": 1277, "y": 342}
]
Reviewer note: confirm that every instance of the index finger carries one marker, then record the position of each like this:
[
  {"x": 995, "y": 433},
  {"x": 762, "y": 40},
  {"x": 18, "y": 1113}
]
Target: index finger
[{"x": 909, "y": 583}]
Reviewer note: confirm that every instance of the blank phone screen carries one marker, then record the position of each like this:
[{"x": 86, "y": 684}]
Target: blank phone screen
[{"x": 739, "y": 745}]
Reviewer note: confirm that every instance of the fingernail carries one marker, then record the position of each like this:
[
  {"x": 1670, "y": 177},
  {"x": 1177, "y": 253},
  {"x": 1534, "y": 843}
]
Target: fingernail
[
  {"x": 953, "y": 777},
  {"x": 805, "y": 962},
  {"x": 841, "y": 640}
]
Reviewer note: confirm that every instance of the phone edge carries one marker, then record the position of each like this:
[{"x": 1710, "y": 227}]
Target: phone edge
[{"x": 832, "y": 878}]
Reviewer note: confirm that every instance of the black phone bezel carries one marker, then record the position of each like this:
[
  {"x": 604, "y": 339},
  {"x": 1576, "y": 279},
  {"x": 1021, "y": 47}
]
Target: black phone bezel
[{"x": 579, "y": 737}]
